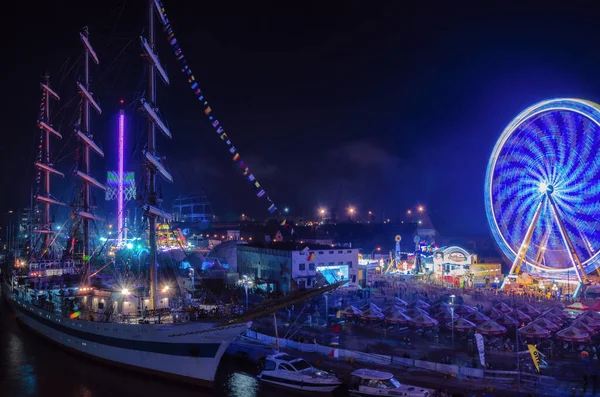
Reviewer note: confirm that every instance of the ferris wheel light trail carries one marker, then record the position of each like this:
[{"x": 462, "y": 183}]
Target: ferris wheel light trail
[{"x": 542, "y": 189}]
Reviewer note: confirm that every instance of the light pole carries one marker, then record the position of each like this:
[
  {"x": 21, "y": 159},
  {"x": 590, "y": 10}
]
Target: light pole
[
  {"x": 373, "y": 252},
  {"x": 452, "y": 311},
  {"x": 351, "y": 212},
  {"x": 322, "y": 213}
]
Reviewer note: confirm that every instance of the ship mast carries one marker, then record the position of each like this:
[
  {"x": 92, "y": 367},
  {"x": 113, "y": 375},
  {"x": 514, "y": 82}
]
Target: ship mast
[
  {"x": 88, "y": 143},
  {"x": 154, "y": 163},
  {"x": 45, "y": 165}
]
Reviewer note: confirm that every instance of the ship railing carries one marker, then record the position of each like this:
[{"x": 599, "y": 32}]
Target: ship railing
[{"x": 181, "y": 315}]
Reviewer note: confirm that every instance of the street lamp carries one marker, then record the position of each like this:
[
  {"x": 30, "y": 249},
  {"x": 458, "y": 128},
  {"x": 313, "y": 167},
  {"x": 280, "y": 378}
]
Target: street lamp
[
  {"x": 322, "y": 212},
  {"x": 373, "y": 252},
  {"x": 420, "y": 208},
  {"x": 452, "y": 311},
  {"x": 351, "y": 212}
]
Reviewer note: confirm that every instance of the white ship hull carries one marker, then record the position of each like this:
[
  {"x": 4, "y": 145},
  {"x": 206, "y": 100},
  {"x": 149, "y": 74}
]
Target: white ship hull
[{"x": 189, "y": 352}]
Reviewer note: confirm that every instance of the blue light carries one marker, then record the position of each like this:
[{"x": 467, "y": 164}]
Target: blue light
[
  {"x": 129, "y": 246},
  {"x": 548, "y": 152}
]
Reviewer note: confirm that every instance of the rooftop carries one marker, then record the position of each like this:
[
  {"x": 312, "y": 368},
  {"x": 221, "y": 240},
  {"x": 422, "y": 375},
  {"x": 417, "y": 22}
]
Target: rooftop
[{"x": 291, "y": 246}]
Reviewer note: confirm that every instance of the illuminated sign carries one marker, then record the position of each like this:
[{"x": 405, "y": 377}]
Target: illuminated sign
[{"x": 457, "y": 256}]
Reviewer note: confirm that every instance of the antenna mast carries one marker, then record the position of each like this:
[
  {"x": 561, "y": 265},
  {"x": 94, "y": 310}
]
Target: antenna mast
[
  {"x": 86, "y": 138},
  {"x": 45, "y": 165},
  {"x": 154, "y": 163}
]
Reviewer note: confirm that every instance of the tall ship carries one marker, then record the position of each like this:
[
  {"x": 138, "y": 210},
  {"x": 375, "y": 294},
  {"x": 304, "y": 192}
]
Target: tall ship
[{"x": 123, "y": 319}]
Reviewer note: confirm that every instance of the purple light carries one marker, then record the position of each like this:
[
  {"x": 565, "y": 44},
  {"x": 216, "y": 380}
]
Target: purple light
[{"x": 120, "y": 192}]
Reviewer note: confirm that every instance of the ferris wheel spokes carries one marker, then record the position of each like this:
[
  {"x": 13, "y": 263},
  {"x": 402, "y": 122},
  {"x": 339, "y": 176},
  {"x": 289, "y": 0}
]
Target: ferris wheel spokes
[{"x": 520, "y": 258}]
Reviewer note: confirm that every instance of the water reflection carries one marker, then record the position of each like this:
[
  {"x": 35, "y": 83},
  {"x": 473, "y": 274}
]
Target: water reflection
[{"x": 242, "y": 385}]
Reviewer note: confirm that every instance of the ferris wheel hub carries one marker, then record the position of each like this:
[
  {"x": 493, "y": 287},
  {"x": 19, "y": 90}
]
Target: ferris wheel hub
[{"x": 546, "y": 188}]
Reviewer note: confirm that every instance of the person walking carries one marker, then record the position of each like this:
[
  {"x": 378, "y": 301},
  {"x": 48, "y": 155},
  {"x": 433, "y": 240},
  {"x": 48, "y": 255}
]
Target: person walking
[
  {"x": 594, "y": 383},
  {"x": 585, "y": 382}
]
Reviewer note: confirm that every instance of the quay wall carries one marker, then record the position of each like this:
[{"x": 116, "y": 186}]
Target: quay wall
[{"x": 368, "y": 358}]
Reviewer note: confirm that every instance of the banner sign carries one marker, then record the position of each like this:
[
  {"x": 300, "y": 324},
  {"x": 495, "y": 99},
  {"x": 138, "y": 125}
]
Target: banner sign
[
  {"x": 535, "y": 356},
  {"x": 480, "y": 347}
]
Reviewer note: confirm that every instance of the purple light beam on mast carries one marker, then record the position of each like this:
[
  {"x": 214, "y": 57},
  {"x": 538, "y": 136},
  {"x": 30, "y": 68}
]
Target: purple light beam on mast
[{"x": 120, "y": 192}]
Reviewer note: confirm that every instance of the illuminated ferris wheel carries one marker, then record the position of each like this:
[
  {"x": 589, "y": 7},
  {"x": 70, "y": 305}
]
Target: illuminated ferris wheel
[{"x": 542, "y": 190}]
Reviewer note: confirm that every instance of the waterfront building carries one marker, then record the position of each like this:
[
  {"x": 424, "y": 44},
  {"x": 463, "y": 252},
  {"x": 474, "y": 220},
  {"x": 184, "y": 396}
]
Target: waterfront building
[
  {"x": 194, "y": 209},
  {"x": 280, "y": 266}
]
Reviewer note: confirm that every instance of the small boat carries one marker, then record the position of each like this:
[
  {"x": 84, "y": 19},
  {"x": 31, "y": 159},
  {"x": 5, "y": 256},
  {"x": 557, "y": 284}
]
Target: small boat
[
  {"x": 368, "y": 382},
  {"x": 296, "y": 373}
]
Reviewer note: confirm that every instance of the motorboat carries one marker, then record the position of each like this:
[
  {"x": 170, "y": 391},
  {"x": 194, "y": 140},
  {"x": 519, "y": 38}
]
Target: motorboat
[
  {"x": 368, "y": 382},
  {"x": 296, "y": 373}
]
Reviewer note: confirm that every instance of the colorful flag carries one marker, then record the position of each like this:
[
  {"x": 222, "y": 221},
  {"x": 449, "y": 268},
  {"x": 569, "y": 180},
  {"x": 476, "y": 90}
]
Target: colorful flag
[
  {"x": 311, "y": 257},
  {"x": 186, "y": 70}
]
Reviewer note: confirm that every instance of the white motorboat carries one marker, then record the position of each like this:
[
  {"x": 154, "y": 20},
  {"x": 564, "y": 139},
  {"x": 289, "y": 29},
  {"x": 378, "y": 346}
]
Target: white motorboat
[
  {"x": 367, "y": 382},
  {"x": 296, "y": 373}
]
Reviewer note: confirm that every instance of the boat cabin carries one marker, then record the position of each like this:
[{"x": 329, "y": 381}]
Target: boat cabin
[{"x": 283, "y": 361}]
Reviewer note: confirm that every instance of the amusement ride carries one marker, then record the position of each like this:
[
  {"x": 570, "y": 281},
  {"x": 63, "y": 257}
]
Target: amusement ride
[{"x": 542, "y": 195}]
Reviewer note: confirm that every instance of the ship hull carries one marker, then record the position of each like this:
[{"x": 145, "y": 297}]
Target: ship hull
[{"x": 184, "y": 352}]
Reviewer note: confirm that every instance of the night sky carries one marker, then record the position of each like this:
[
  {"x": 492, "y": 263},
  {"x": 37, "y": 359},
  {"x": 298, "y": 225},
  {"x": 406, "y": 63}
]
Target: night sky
[{"x": 378, "y": 105}]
